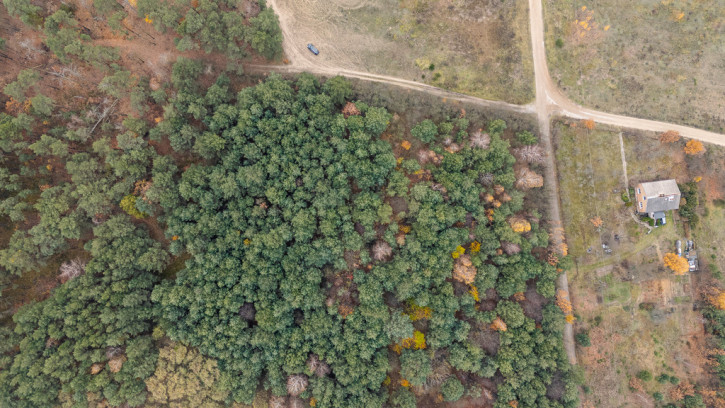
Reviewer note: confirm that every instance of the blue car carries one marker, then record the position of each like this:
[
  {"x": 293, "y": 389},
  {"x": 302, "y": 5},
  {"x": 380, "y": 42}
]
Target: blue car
[{"x": 313, "y": 49}]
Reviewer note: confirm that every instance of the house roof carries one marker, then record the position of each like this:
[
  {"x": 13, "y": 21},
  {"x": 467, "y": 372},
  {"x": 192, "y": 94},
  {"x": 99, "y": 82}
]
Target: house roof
[
  {"x": 663, "y": 195},
  {"x": 656, "y": 188},
  {"x": 657, "y": 204}
]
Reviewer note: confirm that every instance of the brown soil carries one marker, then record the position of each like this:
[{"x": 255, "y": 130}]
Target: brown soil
[{"x": 533, "y": 303}]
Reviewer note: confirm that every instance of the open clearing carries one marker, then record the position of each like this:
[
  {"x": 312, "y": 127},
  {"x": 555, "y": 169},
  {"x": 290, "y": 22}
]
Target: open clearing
[
  {"x": 651, "y": 59},
  {"x": 480, "y": 48},
  {"x": 638, "y": 315}
]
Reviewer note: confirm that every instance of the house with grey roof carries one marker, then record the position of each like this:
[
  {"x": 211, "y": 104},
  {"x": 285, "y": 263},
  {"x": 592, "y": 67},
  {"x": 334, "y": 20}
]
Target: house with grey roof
[{"x": 656, "y": 197}]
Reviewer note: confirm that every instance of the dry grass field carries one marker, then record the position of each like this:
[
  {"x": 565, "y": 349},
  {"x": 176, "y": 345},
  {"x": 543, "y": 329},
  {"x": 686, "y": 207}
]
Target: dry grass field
[
  {"x": 637, "y": 313},
  {"x": 479, "y": 48},
  {"x": 656, "y": 59}
]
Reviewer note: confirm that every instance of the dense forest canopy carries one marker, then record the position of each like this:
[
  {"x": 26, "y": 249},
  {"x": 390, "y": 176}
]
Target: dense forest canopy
[{"x": 220, "y": 245}]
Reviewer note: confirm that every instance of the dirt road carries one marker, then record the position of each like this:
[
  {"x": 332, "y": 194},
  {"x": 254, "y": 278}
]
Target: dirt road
[{"x": 545, "y": 105}]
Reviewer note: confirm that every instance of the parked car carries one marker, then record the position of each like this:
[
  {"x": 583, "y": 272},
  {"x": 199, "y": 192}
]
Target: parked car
[{"x": 313, "y": 49}]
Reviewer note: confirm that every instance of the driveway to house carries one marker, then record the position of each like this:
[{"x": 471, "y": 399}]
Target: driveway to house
[{"x": 549, "y": 101}]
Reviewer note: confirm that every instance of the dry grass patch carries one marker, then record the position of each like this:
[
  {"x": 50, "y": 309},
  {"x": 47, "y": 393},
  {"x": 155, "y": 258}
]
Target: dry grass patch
[
  {"x": 475, "y": 47},
  {"x": 651, "y": 59}
]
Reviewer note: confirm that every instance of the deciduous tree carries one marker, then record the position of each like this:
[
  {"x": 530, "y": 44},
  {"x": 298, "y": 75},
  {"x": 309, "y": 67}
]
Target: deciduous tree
[
  {"x": 676, "y": 263},
  {"x": 694, "y": 147}
]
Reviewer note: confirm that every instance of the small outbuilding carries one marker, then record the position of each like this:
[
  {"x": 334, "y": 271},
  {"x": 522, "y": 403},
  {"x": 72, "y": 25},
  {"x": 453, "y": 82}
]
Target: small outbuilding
[{"x": 656, "y": 197}]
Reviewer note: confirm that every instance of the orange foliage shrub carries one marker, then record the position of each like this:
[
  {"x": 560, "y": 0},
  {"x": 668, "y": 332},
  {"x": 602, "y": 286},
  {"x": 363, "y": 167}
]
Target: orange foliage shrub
[
  {"x": 677, "y": 263},
  {"x": 679, "y": 392},
  {"x": 345, "y": 310},
  {"x": 498, "y": 325},
  {"x": 464, "y": 271},
  {"x": 694, "y": 147},
  {"x": 588, "y": 123},
  {"x": 552, "y": 259},
  {"x": 96, "y": 368},
  {"x": 670, "y": 136},
  {"x": 350, "y": 110},
  {"x": 597, "y": 221},
  {"x": 526, "y": 178},
  {"x": 116, "y": 363},
  {"x": 562, "y": 301},
  {"x": 711, "y": 398},
  {"x": 635, "y": 384},
  {"x": 716, "y": 297}
]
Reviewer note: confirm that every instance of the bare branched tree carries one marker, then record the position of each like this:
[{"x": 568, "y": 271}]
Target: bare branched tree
[
  {"x": 480, "y": 140},
  {"x": 317, "y": 366},
  {"x": 530, "y": 154},
  {"x": 247, "y": 312},
  {"x": 296, "y": 384},
  {"x": 296, "y": 402},
  {"x": 277, "y": 402},
  {"x": 486, "y": 179},
  {"x": 381, "y": 251},
  {"x": 510, "y": 248},
  {"x": 71, "y": 269}
]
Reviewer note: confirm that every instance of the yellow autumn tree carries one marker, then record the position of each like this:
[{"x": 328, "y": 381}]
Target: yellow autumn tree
[
  {"x": 473, "y": 291},
  {"x": 694, "y": 147},
  {"x": 520, "y": 225},
  {"x": 717, "y": 298},
  {"x": 676, "y": 263},
  {"x": 416, "y": 342},
  {"x": 416, "y": 312}
]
